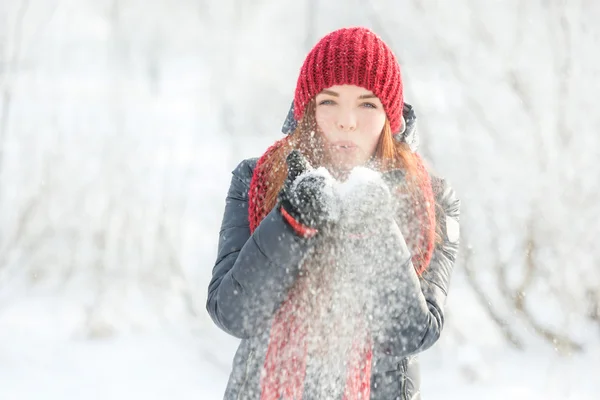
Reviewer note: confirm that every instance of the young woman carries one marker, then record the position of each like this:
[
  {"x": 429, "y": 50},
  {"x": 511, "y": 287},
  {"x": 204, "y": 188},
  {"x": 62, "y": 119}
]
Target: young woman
[{"x": 337, "y": 245}]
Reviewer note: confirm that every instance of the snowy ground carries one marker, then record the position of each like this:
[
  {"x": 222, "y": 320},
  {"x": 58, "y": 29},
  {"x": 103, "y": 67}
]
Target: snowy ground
[
  {"x": 169, "y": 366},
  {"x": 44, "y": 356}
]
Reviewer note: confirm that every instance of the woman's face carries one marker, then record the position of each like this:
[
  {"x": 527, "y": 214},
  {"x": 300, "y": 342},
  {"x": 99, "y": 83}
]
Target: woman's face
[{"x": 351, "y": 119}]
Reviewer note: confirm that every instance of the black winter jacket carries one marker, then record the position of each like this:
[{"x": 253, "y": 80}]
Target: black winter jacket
[{"x": 253, "y": 272}]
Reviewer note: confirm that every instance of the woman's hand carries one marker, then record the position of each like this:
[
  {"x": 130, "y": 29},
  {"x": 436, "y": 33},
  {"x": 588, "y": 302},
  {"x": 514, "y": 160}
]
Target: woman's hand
[
  {"x": 367, "y": 198},
  {"x": 308, "y": 195}
]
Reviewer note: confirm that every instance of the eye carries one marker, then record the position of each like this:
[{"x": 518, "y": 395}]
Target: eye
[
  {"x": 368, "y": 105},
  {"x": 326, "y": 102}
]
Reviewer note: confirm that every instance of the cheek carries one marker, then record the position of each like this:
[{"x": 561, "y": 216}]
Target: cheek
[
  {"x": 372, "y": 128},
  {"x": 325, "y": 120}
]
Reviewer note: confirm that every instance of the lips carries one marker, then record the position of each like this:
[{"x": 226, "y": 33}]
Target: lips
[{"x": 344, "y": 145}]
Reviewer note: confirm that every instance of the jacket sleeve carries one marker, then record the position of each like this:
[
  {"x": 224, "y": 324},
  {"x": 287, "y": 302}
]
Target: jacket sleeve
[
  {"x": 414, "y": 306},
  {"x": 253, "y": 271}
]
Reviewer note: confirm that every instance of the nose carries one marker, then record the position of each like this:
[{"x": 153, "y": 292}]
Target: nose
[{"x": 346, "y": 121}]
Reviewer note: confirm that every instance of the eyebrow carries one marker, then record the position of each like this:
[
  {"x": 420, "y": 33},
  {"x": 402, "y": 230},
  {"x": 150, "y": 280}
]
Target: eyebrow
[
  {"x": 335, "y": 94},
  {"x": 331, "y": 93}
]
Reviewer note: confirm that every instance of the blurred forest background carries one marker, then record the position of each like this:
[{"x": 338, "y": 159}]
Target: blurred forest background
[{"x": 120, "y": 123}]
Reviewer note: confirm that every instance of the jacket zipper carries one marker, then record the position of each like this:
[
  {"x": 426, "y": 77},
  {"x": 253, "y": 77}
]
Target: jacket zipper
[
  {"x": 404, "y": 368},
  {"x": 247, "y": 373}
]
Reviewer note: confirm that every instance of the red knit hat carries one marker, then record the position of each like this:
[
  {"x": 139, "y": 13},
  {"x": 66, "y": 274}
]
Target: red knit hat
[{"x": 352, "y": 56}]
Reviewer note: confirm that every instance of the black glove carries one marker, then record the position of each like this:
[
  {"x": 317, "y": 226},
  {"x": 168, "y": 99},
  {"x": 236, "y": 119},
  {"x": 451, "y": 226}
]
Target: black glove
[
  {"x": 394, "y": 178},
  {"x": 308, "y": 195}
]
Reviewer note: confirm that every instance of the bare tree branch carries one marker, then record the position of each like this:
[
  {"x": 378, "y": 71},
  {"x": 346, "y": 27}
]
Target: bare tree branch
[
  {"x": 25, "y": 218},
  {"x": 163, "y": 241},
  {"x": 530, "y": 269},
  {"x": 484, "y": 300},
  {"x": 517, "y": 298},
  {"x": 12, "y": 64},
  {"x": 311, "y": 23},
  {"x": 564, "y": 67}
]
